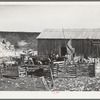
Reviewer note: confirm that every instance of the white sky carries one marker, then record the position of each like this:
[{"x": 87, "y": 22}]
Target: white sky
[{"x": 35, "y": 18}]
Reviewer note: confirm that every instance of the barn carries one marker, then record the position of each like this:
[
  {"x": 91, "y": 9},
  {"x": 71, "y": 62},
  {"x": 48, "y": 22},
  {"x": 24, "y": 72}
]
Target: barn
[{"x": 85, "y": 41}]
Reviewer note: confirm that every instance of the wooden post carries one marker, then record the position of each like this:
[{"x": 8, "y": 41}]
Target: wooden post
[
  {"x": 57, "y": 69},
  {"x": 65, "y": 65},
  {"x": 45, "y": 83},
  {"x": 51, "y": 65},
  {"x": 34, "y": 83},
  {"x": 76, "y": 69}
]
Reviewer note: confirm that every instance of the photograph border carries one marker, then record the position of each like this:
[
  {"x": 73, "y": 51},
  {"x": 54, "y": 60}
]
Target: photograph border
[{"x": 57, "y": 95}]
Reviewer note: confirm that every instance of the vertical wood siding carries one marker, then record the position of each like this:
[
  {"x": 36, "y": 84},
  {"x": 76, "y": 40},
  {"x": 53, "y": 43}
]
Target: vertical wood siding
[{"x": 82, "y": 47}]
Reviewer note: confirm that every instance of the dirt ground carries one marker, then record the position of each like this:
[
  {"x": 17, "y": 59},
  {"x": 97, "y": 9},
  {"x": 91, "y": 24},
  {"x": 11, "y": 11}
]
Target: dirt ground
[
  {"x": 77, "y": 84},
  {"x": 21, "y": 84},
  {"x": 61, "y": 84}
]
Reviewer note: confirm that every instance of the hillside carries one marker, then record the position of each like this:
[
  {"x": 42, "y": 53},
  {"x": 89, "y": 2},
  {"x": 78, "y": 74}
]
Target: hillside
[{"x": 20, "y": 40}]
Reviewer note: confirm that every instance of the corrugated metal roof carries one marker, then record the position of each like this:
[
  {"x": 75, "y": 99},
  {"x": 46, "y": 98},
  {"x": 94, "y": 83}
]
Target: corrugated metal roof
[{"x": 70, "y": 33}]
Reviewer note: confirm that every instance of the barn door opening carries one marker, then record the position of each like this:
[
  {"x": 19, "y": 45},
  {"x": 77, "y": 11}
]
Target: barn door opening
[{"x": 63, "y": 51}]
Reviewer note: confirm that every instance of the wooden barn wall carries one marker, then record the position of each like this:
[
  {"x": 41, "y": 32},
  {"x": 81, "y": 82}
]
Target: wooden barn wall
[{"x": 82, "y": 47}]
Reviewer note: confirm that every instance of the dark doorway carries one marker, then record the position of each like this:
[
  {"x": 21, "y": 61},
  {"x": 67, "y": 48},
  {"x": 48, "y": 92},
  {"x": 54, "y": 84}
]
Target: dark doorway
[{"x": 63, "y": 51}]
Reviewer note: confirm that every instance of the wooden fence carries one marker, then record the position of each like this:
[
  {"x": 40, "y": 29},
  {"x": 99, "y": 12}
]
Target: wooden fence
[
  {"x": 75, "y": 70},
  {"x": 9, "y": 71}
]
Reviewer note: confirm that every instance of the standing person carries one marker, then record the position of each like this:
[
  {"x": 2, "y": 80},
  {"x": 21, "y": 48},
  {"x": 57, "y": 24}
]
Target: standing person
[
  {"x": 57, "y": 56},
  {"x": 53, "y": 56},
  {"x": 70, "y": 51}
]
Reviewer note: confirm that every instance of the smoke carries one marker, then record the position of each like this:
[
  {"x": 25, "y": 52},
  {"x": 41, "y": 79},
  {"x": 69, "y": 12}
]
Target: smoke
[{"x": 22, "y": 43}]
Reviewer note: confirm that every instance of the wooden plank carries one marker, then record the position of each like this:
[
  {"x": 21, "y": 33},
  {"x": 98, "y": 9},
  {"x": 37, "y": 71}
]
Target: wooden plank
[
  {"x": 51, "y": 75},
  {"x": 81, "y": 46},
  {"x": 57, "y": 62},
  {"x": 45, "y": 83},
  {"x": 34, "y": 83}
]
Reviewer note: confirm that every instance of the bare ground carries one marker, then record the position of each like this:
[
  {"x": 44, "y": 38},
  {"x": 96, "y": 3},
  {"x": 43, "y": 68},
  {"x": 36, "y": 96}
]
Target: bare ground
[{"x": 60, "y": 84}]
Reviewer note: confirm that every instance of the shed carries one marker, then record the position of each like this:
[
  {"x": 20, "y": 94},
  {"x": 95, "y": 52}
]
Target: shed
[{"x": 85, "y": 41}]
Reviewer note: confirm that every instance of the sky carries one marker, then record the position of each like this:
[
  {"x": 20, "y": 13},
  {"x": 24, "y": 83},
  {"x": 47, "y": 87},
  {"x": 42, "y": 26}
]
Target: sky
[{"x": 35, "y": 18}]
